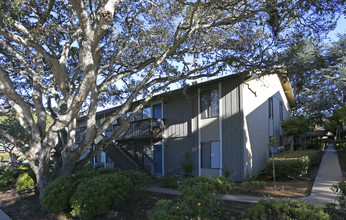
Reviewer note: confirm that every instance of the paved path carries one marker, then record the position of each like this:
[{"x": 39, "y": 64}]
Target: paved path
[
  {"x": 329, "y": 173},
  {"x": 3, "y": 216}
]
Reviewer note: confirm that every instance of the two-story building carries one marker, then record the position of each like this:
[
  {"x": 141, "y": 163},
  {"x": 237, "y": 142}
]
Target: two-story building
[{"x": 222, "y": 124}]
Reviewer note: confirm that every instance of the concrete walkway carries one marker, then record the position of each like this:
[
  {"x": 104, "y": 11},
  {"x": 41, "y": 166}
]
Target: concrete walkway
[
  {"x": 4, "y": 216},
  {"x": 329, "y": 174}
]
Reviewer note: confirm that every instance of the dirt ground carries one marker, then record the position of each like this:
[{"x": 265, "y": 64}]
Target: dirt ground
[{"x": 26, "y": 206}]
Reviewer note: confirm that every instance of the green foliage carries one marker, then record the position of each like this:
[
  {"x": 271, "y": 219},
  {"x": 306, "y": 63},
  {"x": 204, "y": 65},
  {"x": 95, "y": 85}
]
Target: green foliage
[
  {"x": 291, "y": 165},
  {"x": 95, "y": 195},
  {"x": 295, "y": 126},
  {"x": 12, "y": 125},
  {"x": 340, "y": 145},
  {"x": 253, "y": 185},
  {"x": 90, "y": 193},
  {"x": 187, "y": 164},
  {"x": 164, "y": 209},
  {"x": 285, "y": 209},
  {"x": 215, "y": 185},
  {"x": 137, "y": 179},
  {"x": 9, "y": 176},
  {"x": 337, "y": 120},
  {"x": 316, "y": 145},
  {"x": 171, "y": 181},
  {"x": 56, "y": 196},
  {"x": 198, "y": 197},
  {"x": 340, "y": 190},
  {"x": 25, "y": 182}
]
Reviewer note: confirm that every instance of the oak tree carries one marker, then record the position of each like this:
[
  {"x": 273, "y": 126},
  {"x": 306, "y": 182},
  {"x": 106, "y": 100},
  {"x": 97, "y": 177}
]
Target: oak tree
[{"x": 64, "y": 58}]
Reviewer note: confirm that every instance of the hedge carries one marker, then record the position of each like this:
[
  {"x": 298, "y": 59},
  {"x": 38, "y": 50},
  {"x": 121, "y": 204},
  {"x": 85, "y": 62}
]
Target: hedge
[{"x": 292, "y": 165}]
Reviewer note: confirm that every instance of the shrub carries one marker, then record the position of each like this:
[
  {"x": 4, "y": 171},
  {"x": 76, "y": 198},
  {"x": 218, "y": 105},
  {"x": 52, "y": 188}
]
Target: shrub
[
  {"x": 187, "y": 164},
  {"x": 216, "y": 185},
  {"x": 340, "y": 190},
  {"x": 164, "y": 209},
  {"x": 198, "y": 197},
  {"x": 9, "y": 176},
  {"x": 25, "y": 182},
  {"x": 137, "y": 179},
  {"x": 284, "y": 209},
  {"x": 56, "y": 196},
  {"x": 89, "y": 193},
  {"x": 253, "y": 185},
  {"x": 340, "y": 145},
  {"x": 291, "y": 165},
  {"x": 171, "y": 181},
  {"x": 316, "y": 145},
  {"x": 95, "y": 195}
]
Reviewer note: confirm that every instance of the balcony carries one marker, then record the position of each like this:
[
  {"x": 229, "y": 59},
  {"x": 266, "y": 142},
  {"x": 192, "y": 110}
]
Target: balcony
[{"x": 141, "y": 129}]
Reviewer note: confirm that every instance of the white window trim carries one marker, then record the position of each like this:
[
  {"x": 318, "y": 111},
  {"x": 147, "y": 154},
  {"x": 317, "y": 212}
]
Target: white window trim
[
  {"x": 220, "y": 128},
  {"x": 199, "y": 131}
]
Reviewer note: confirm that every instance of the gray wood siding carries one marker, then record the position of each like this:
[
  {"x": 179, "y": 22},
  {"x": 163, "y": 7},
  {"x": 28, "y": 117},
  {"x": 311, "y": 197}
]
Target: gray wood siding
[
  {"x": 175, "y": 149},
  {"x": 232, "y": 129},
  {"x": 177, "y": 114},
  {"x": 181, "y": 135}
]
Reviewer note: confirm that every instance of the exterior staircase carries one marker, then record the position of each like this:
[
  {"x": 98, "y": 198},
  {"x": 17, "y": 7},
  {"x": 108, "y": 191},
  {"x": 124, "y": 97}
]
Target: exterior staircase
[{"x": 131, "y": 157}]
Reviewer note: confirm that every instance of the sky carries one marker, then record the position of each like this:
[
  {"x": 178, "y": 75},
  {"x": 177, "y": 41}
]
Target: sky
[{"x": 340, "y": 28}]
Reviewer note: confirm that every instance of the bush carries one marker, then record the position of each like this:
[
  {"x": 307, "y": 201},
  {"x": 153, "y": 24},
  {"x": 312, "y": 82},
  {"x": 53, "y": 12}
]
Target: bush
[
  {"x": 292, "y": 165},
  {"x": 171, "y": 181},
  {"x": 284, "y": 209},
  {"x": 216, "y": 185},
  {"x": 340, "y": 145},
  {"x": 25, "y": 182},
  {"x": 95, "y": 195},
  {"x": 316, "y": 145},
  {"x": 89, "y": 193},
  {"x": 137, "y": 179},
  {"x": 56, "y": 196},
  {"x": 198, "y": 197},
  {"x": 9, "y": 177},
  {"x": 253, "y": 185},
  {"x": 340, "y": 190}
]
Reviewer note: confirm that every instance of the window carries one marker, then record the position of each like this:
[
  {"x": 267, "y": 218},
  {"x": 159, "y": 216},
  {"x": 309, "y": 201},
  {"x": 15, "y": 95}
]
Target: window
[
  {"x": 210, "y": 103},
  {"x": 143, "y": 114},
  {"x": 271, "y": 111},
  {"x": 281, "y": 109},
  {"x": 146, "y": 113},
  {"x": 210, "y": 154},
  {"x": 157, "y": 111}
]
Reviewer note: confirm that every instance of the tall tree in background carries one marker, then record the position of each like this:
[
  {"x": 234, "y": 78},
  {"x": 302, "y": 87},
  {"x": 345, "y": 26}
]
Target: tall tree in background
[
  {"x": 64, "y": 58},
  {"x": 318, "y": 74},
  {"x": 10, "y": 124}
]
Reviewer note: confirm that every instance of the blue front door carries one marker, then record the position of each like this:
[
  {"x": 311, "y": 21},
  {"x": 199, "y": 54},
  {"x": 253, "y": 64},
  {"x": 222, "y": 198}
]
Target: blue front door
[{"x": 158, "y": 158}]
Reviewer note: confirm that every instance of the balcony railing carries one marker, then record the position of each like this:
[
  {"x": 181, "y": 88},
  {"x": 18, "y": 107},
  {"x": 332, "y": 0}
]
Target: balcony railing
[{"x": 146, "y": 128}]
